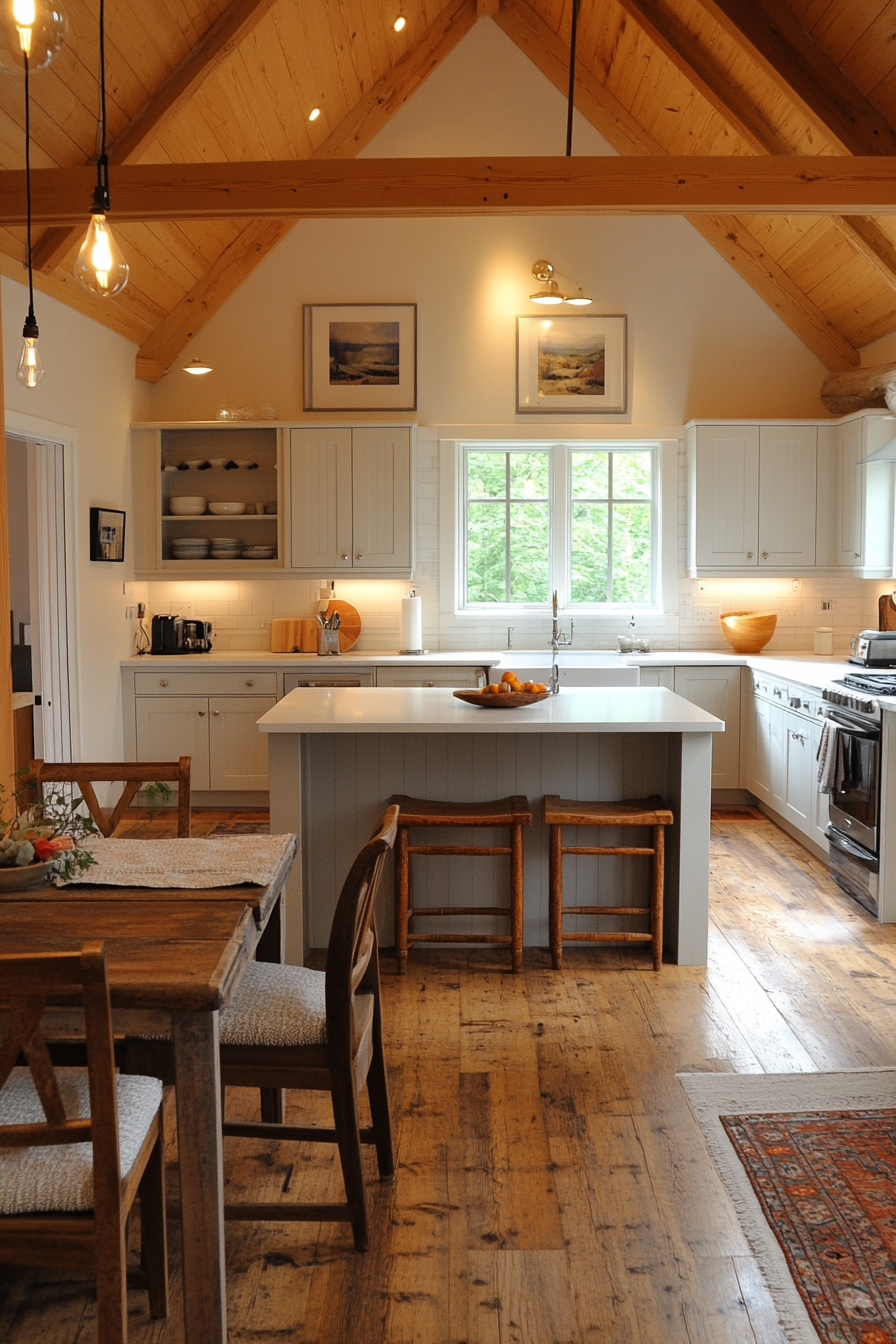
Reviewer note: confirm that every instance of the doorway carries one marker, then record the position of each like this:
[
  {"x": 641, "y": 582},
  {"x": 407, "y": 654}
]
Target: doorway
[{"x": 36, "y": 484}]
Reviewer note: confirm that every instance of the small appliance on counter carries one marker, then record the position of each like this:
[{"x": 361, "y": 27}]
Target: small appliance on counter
[
  {"x": 875, "y": 648},
  {"x": 172, "y": 634}
]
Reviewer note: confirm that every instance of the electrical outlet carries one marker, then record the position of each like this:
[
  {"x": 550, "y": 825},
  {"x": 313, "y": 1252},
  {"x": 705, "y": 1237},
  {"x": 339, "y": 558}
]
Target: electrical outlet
[
  {"x": 792, "y": 613},
  {"x": 796, "y": 585},
  {"x": 700, "y": 585},
  {"x": 130, "y": 613},
  {"x": 706, "y": 615},
  {"x": 826, "y": 604}
]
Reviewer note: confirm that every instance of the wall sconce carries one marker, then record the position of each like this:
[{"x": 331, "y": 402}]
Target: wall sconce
[
  {"x": 544, "y": 273},
  {"x": 197, "y": 366}
]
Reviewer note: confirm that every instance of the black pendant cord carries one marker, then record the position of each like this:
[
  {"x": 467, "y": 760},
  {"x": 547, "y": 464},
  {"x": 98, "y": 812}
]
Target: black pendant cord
[
  {"x": 572, "y": 75},
  {"x": 101, "y": 194},
  {"x": 30, "y": 320}
]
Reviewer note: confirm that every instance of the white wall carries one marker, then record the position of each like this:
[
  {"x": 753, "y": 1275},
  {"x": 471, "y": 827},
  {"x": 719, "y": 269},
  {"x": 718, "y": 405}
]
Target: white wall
[{"x": 88, "y": 393}]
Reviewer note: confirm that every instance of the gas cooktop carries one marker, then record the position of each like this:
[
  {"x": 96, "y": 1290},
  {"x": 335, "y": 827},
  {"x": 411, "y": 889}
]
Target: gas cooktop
[{"x": 875, "y": 683}]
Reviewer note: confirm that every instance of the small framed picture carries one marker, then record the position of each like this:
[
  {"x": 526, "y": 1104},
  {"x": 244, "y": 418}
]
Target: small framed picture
[
  {"x": 571, "y": 365},
  {"x": 106, "y": 534},
  {"x": 360, "y": 357}
]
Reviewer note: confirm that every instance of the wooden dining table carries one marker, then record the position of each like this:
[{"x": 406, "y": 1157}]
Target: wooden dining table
[{"x": 175, "y": 957}]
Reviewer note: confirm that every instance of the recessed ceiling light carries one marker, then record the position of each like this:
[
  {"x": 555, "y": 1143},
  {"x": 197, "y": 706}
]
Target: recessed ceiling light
[
  {"x": 314, "y": 114},
  {"x": 399, "y": 23}
]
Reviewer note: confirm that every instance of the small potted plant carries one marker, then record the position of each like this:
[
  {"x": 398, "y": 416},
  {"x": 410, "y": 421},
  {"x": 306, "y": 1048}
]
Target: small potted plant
[{"x": 41, "y": 841}]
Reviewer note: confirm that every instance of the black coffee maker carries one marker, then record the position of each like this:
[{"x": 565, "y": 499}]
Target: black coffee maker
[{"x": 167, "y": 634}]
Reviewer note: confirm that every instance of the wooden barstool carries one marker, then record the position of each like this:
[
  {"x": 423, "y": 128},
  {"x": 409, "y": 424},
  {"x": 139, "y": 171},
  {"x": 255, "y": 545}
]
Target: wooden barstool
[
  {"x": 560, "y": 812},
  {"x": 511, "y": 812}
]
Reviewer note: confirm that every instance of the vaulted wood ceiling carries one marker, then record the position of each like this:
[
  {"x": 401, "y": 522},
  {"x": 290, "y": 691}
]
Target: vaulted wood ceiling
[{"x": 194, "y": 82}]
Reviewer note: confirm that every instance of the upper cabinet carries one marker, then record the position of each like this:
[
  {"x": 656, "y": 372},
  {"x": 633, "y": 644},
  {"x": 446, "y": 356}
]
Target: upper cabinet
[
  {"x": 785, "y": 499},
  {"x": 351, "y": 500}
]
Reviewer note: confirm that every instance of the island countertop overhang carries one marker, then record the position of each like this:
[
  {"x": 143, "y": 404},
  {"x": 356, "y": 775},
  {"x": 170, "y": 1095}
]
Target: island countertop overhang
[{"x": 362, "y": 709}]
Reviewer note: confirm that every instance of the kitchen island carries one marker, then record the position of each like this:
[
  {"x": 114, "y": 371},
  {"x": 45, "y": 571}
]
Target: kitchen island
[{"x": 338, "y": 755}]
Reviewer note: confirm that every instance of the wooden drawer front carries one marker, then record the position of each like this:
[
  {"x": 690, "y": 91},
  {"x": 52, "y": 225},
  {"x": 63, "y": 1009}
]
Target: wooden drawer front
[
  {"x": 204, "y": 682},
  {"x": 461, "y": 677}
]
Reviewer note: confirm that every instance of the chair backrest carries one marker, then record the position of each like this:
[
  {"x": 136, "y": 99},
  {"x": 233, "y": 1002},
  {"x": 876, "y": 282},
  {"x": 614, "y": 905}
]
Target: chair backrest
[
  {"x": 131, "y": 774},
  {"x": 352, "y": 946},
  {"x": 26, "y": 985}
]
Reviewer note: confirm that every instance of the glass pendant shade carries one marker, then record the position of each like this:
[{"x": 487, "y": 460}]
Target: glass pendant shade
[
  {"x": 30, "y": 368},
  {"x": 33, "y": 28},
  {"x": 100, "y": 268}
]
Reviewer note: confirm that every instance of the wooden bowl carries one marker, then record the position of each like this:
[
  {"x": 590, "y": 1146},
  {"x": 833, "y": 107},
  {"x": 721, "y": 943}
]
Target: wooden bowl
[
  {"x": 748, "y": 631},
  {"x": 512, "y": 700}
]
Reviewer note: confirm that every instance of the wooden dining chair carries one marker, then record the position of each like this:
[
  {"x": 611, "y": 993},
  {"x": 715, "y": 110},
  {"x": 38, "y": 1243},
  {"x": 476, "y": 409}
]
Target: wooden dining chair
[
  {"x": 84, "y": 774},
  {"x": 62, "y": 1205},
  {"x": 319, "y": 1031}
]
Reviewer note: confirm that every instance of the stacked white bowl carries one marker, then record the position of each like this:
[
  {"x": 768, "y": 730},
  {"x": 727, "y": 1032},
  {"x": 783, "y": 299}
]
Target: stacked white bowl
[
  {"x": 189, "y": 505},
  {"x": 258, "y": 552},
  {"x": 225, "y": 548},
  {"x": 190, "y": 548}
]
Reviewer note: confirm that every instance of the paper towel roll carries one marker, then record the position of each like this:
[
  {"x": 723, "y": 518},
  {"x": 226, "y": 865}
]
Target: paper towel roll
[{"x": 411, "y": 625}]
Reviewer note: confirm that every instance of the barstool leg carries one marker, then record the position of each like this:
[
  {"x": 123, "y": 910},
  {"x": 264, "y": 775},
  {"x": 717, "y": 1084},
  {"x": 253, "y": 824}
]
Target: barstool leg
[
  {"x": 516, "y": 897},
  {"x": 659, "y": 868},
  {"x": 555, "y": 895},
  {"x": 402, "y": 880}
]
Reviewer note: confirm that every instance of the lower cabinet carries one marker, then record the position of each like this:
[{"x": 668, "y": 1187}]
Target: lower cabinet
[
  {"x": 218, "y": 731},
  {"x": 461, "y": 678},
  {"x": 717, "y": 690},
  {"x": 785, "y": 732}
]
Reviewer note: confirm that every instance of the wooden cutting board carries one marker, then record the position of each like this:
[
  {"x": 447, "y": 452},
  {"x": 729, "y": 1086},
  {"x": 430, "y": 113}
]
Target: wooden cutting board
[
  {"x": 886, "y": 612},
  {"x": 299, "y": 634},
  {"x": 350, "y": 623}
]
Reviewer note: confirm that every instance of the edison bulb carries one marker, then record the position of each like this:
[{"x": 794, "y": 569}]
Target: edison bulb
[
  {"x": 30, "y": 368},
  {"x": 35, "y": 29},
  {"x": 100, "y": 267}
]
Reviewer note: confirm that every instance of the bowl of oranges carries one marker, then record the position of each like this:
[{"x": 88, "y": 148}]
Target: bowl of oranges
[{"x": 508, "y": 693}]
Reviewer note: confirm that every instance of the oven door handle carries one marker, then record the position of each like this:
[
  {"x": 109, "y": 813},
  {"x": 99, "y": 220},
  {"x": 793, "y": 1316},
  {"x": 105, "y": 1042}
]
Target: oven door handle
[
  {"x": 841, "y": 841},
  {"x": 858, "y": 730}
]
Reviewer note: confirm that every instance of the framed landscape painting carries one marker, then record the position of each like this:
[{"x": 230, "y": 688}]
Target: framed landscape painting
[
  {"x": 571, "y": 365},
  {"x": 361, "y": 357}
]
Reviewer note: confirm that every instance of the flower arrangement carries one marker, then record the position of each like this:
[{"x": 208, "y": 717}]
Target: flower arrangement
[{"x": 46, "y": 831}]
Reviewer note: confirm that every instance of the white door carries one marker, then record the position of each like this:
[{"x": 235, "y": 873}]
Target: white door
[
  {"x": 168, "y": 728},
  {"x": 787, "y": 484},
  {"x": 238, "y": 752},
  {"x": 727, "y": 495},
  {"x": 320, "y": 473},
  {"x": 381, "y": 478},
  {"x": 717, "y": 690}
]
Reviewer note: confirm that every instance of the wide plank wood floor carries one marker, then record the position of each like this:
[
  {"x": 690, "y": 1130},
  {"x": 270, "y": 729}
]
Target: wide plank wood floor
[{"x": 552, "y": 1186}]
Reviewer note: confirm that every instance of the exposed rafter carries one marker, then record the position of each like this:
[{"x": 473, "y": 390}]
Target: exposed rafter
[
  {"x": 226, "y": 33},
  {"x": 595, "y": 101},
  {"x": 792, "y": 58}
]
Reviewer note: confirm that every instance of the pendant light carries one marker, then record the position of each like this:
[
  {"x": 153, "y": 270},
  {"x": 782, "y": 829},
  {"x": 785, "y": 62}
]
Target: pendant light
[
  {"x": 197, "y": 367},
  {"x": 100, "y": 267},
  {"x": 30, "y": 368},
  {"x": 35, "y": 29}
]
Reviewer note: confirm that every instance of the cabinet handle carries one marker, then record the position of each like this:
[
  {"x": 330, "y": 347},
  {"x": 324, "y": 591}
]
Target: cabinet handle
[
  {"x": 163, "y": 683},
  {"x": 858, "y": 555}
]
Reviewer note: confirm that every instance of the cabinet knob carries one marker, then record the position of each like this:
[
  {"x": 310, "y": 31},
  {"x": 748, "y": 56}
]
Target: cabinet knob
[
  {"x": 344, "y": 557},
  {"x": 858, "y": 555},
  {"x": 749, "y": 555},
  {"x": 250, "y": 683},
  {"x": 216, "y": 712},
  {"x": 765, "y": 555},
  {"x": 359, "y": 556},
  {"x": 202, "y": 713},
  {"x": 427, "y": 683},
  {"x": 163, "y": 683}
]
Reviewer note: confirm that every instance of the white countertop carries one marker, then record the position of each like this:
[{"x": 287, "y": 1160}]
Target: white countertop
[
  {"x": 263, "y": 658},
  {"x": 617, "y": 709}
]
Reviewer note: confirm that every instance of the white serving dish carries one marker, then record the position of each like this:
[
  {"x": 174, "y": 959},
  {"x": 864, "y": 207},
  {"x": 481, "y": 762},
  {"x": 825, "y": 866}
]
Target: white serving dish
[
  {"x": 191, "y": 505},
  {"x": 226, "y": 507}
]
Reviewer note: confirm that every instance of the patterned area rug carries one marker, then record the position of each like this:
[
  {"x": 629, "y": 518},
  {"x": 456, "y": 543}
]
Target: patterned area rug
[{"x": 810, "y": 1161}]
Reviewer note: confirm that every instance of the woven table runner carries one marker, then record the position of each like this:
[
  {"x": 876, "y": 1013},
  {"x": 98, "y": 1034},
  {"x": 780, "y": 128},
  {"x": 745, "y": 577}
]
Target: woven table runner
[{"x": 225, "y": 861}]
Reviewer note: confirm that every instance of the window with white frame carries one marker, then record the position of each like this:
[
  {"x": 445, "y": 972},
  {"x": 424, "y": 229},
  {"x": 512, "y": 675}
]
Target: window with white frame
[{"x": 581, "y": 518}]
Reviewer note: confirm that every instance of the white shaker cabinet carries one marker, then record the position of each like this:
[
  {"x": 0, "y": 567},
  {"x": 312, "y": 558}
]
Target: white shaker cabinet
[
  {"x": 351, "y": 500},
  {"x": 863, "y": 499},
  {"x": 752, "y": 493},
  {"x": 717, "y": 690}
]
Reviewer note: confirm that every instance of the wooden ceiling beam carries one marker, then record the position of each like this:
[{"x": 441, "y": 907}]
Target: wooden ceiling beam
[
  {"x": 355, "y": 131},
  {"x": 692, "y": 59},
  {"x": 731, "y": 240},
  {"x": 335, "y": 188},
  {"x": 224, "y": 35},
  {"x": 775, "y": 38}
]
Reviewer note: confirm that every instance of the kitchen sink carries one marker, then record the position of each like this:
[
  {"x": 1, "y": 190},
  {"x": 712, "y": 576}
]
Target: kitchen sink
[{"x": 577, "y": 667}]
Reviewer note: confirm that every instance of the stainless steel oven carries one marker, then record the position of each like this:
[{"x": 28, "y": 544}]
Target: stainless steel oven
[{"x": 854, "y": 780}]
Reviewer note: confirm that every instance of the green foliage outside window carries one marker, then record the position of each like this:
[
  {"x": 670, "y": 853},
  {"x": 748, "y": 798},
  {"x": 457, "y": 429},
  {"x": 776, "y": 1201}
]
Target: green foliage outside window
[{"x": 508, "y": 532}]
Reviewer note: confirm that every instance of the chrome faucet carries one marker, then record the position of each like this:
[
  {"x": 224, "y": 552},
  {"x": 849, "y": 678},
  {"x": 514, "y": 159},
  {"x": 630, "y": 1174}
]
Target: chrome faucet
[
  {"x": 509, "y": 633},
  {"x": 558, "y": 640}
]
